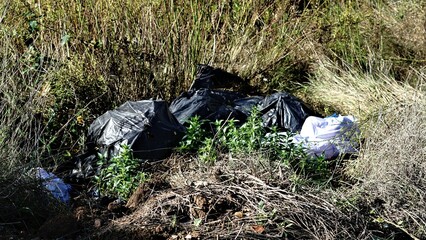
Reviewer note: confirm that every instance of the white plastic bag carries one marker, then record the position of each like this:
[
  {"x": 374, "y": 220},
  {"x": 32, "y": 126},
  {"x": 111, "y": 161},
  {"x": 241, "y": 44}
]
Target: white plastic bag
[{"x": 329, "y": 136}]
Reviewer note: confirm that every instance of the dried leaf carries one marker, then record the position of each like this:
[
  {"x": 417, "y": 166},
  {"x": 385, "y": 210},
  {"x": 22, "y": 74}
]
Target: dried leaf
[{"x": 258, "y": 228}]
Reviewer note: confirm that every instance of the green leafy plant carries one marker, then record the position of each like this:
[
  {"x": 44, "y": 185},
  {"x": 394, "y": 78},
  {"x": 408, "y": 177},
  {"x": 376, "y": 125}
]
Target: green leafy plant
[
  {"x": 251, "y": 137},
  {"x": 248, "y": 138},
  {"x": 229, "y": 137},
  {"x": 316, "y": 168},
  {"x": 281, "y": 146},
  {"x": 120, "y": 176},
  {"x": 195, "y": 135},
  {"x": 208, "y": 151}
]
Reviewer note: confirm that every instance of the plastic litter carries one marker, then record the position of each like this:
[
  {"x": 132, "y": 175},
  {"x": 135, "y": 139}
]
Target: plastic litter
[
  {"x": 284, "y": 111},
  {"x": 85, "y": 166},
  {"x": 280, "y": 109},
  {"x": 329, "y": 136},
  {"x": 245, "y": 105},
  {"x": 152, "y": 129},
  {"x": 208, "y": 77},
  {"x": 54, "y": 185},
  {"x": 147, "y": 127},
  {"x": 207, "y": 104}
]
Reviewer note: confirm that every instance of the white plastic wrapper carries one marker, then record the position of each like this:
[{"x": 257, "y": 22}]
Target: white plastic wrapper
[{"x": 329, "y": 136}]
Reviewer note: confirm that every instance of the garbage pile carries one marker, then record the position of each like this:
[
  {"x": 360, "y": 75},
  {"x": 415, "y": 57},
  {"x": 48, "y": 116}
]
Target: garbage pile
[{"x": 152, "y": 129}]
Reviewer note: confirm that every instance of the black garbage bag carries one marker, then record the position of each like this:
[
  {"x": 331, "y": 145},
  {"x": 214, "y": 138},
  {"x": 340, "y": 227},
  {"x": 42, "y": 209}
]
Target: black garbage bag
[
  {"x": 285, "y": 111},
  {"x": 84, "y": 167},
  {"x": 245, "y": 105},
  {"x": 215, "y": 78},
  {"x": 147, "y": 127},
  {"x": 207, "y": 104},
  {"x": 280, "y": 109}
]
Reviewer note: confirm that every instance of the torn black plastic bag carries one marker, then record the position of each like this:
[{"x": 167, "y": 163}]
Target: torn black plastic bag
[
  {"x": 147, "y": 127},
  {"x": 284, "y": 111},
  {"x": 207, "y": 104}
]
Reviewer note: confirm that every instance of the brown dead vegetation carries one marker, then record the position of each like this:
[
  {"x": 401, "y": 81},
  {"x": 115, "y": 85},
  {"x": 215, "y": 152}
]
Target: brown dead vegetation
[{"x": 233, "y": 202}]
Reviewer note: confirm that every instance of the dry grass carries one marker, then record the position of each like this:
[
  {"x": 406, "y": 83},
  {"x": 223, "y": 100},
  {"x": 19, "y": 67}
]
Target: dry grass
[
  {"x": 155, "y": 45},
  {"x": 17, "y": 127},
  {"x": 392, "y": 165},
  {"x": 406, "y": 21},
  {"x": 24, "y": 205},
  {"x": 352, "y": 90},
  {"x": 237, "y": 198}
]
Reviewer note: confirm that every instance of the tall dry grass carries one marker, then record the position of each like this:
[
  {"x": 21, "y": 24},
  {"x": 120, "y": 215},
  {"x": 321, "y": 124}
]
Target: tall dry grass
[
  {"x": 392, "y": 165},
  {"x": 24, "y": 205},
  {"x": 155, "y": 45},
  {"x": 358, "y": 91},
  {"x": 20, "y": 99},
  {"x": 387, "y": 94}
]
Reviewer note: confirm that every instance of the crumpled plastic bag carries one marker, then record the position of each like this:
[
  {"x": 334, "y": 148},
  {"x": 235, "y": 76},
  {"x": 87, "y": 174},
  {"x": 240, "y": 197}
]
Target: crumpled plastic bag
[
  {"x": 146, "y": 126},
  {"x": 208, "y": 104},
  {"x": 204, "y": 99},
  {"x": 284, "y": 111},
  {"x": 54, "y": 185},
  {"x": 329, "y": 137}
]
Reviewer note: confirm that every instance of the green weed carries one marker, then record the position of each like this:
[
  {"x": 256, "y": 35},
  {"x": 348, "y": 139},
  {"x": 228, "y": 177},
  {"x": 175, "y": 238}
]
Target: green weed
[
  {"x": 207, "y": 153},
  {"x": 195, "y": 133},
  {"x": 121, "y": 175},
  {"x": 250, "y": 138}
]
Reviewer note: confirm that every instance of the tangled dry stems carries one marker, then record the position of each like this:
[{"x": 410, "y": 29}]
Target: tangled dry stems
[{"x": 240, "y": 199}]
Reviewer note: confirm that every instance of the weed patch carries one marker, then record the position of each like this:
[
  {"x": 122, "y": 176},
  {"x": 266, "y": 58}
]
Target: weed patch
[
  {"x": 250, "y": 138},
  {"x": 120, "y": 175}
]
